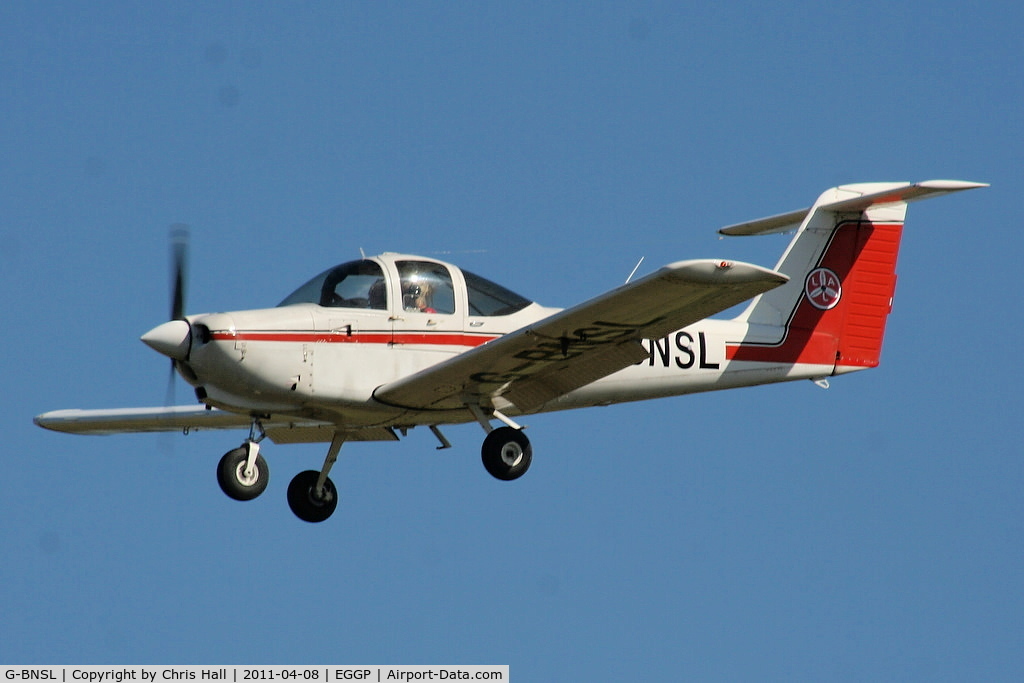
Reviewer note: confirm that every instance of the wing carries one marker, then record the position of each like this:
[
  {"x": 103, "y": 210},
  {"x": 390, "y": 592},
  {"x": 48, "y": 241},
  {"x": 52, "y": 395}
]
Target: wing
[
  {"x": 128, "y": 420},
  {"x": 182, "y": 418},
  {"x": 579, "y": 345}
]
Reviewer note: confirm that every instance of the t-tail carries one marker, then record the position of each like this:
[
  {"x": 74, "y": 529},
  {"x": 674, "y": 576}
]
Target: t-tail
[{"x": 830, "y": 317}]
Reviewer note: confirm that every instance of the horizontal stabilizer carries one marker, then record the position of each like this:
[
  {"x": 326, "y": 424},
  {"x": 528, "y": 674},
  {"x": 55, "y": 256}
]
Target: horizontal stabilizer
[
  {"x": 784, "y": 222},
  {"x": 898, "y": 192},
  {"x": 908, "y": 192}
]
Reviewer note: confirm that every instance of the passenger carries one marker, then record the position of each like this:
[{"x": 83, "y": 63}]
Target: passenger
[{"x": 377, "y": 297}]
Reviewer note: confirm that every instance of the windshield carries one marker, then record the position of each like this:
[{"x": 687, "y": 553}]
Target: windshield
[{"x": 356, "y": 284}]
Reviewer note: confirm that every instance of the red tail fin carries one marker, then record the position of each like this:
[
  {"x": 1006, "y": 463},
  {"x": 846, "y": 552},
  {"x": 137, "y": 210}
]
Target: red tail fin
[{"x": 838, "y": 319}]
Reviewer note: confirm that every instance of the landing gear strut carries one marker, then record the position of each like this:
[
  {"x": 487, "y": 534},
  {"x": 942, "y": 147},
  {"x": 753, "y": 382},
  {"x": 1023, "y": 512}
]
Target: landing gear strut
[
  {"x": 311, "y": 494},
  {"x": 243, "y": 473},
  {"x": 237, "y": 478}
]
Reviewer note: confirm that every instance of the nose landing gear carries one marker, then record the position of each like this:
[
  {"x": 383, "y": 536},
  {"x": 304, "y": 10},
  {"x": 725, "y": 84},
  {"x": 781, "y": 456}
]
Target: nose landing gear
[
  {"x": 243, "y": 473},
  {"x": 237, "y": 478}
]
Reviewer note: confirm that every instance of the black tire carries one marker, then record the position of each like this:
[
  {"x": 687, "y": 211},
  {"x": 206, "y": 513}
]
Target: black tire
[
  {"x": 232, "y": 479},
  {"x": 305, "y": 504},
  {"x": 506, "y": 453}
]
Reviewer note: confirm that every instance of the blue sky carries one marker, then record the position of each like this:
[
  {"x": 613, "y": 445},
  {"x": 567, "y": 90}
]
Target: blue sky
[{"x": 870, "y": 531}]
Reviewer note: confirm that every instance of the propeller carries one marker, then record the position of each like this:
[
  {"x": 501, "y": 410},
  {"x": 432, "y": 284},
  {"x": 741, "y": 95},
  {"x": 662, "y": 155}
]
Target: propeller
[
  {"x": 179, "y": 238},
  {"x": 179, "y": 269}
]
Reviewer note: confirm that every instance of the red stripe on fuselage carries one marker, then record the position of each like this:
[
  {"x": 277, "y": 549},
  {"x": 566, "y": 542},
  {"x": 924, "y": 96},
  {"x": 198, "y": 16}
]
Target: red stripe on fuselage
[{"x": 425, "y": 338}]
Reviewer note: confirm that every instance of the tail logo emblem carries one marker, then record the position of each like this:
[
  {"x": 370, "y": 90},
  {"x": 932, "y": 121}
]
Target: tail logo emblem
[{"x": 823, "y": 288}]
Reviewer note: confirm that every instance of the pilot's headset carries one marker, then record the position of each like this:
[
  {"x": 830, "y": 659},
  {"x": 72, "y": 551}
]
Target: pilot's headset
[{"x": 412, "y": 290}]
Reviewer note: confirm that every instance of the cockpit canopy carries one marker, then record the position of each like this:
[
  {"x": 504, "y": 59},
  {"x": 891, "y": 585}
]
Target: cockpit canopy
[{"x": 426, "y": 286}]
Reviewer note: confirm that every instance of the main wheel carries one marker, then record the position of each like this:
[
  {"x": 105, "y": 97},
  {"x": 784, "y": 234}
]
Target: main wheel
[
  {"x": 232, "y": 479},
  {"x": 303, "y": 501},
  {"x": 506, "y": 453}
]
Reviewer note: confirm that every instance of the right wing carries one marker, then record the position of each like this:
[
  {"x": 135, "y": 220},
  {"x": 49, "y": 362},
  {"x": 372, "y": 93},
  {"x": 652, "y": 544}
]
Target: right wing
[{"x": 579, "y": 345}]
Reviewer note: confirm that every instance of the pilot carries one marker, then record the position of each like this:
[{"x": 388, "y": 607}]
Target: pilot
[{"x": 417, "y": 295}]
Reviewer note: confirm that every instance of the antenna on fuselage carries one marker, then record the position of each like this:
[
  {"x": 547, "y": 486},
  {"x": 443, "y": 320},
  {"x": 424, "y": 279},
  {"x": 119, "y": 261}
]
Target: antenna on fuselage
[
  {"x": 362, "y": 253},
  {"x": 634, "y": 270}
]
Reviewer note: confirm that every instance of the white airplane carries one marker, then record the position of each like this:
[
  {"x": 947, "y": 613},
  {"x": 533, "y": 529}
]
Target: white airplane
[{"x": 371, "y": 348}]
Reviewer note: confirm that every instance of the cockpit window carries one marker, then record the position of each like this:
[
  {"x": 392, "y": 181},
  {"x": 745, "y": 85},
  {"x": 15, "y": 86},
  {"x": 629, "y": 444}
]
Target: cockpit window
[
  {"x": 489, "y": 299},
  {"x": 426, "y": 287},
  {"x": 357, "y": 284}
]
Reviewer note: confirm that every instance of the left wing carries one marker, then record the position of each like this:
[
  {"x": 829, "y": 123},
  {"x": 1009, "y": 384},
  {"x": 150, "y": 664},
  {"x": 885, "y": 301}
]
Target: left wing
[
  {"x": 280, "y": 429},
  {"x": 579, "y": 345}
]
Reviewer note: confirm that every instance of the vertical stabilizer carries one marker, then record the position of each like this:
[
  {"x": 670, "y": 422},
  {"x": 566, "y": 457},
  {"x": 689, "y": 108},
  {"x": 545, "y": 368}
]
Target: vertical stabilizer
[{"x": 842, "y": 269}]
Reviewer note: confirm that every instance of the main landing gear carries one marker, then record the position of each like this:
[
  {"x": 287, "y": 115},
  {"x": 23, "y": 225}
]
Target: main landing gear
[
  {"x": 243, "y": 474},
  {"x": 506, "y": 452},
  {"x": 312, "y": 495}
]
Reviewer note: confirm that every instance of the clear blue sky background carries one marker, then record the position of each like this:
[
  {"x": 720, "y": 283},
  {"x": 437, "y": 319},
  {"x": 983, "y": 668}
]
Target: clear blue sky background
[{"x": 871, "y": 531}]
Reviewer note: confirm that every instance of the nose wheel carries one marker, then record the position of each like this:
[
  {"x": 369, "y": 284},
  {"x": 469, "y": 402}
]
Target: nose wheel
[{"x": 240, "y": 480}]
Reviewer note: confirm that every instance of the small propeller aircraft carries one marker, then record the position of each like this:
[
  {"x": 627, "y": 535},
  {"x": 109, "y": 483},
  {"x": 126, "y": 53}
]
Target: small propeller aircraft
[{"x": 371, "y": 348}]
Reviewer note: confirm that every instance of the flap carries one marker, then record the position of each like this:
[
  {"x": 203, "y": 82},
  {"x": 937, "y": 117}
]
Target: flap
[
  {"x": 574, "y": 347},
  {"x": 306, "y": 432}
]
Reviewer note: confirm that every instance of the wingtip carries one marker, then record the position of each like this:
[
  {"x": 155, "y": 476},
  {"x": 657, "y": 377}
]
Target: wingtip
[
  {"x": 723, "y": 271},
  {"x": 52, "y": 420},
  {"x": 951, "y": 185}
]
